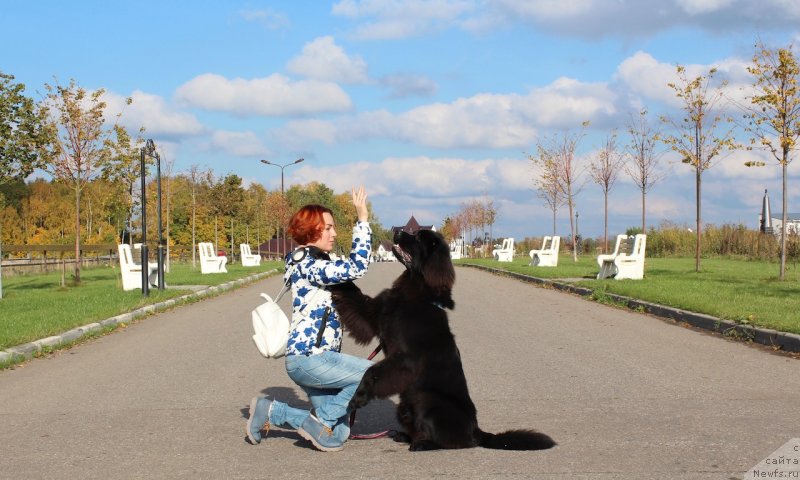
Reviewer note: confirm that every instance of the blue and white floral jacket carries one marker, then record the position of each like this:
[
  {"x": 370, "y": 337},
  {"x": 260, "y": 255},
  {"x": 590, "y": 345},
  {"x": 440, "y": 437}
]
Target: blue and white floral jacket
[{"x": 310, "y": 275}]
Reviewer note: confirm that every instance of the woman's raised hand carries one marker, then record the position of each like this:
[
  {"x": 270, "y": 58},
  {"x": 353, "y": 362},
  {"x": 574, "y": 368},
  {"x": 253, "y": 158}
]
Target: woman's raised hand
[{"x": 360, "y": 202}]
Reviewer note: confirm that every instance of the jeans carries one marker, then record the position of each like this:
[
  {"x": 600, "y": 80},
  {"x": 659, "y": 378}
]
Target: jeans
[{"x": 330, "y": 380}]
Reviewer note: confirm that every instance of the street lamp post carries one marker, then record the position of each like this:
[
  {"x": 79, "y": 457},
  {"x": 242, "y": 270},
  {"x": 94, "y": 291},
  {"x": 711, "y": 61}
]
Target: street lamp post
[{"x": 282, "y": 166}]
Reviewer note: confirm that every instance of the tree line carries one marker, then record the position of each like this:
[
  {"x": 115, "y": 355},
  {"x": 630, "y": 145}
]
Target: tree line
[
  {"x": 94, "y": 196},
  {"x": 711, "y": 121}
]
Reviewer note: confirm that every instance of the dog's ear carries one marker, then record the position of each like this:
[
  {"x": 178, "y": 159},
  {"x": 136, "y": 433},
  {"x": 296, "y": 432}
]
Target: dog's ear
[{"x": 438, "y": 270}]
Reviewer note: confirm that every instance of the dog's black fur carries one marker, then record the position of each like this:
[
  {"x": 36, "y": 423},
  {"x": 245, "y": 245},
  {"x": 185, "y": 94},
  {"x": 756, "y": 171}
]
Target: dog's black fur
[{"x": 422, "y": 362}]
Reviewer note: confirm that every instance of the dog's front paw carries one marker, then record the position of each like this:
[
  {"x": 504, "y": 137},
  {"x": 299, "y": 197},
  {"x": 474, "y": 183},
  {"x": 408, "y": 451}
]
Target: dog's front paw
[
  {"x": 360, "y": 399},
  {"x": 364, "y": 391}
]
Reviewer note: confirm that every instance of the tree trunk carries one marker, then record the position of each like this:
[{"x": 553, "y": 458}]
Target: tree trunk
[
  {"x": 572, "y": 230},
  {"x": 698, "y": 174},
  {"x": 77, "y": 235},
  {"x": 643, "y": 224},
  {"x": 784, "y": 218},
  {"x": 605, "y": 221}
]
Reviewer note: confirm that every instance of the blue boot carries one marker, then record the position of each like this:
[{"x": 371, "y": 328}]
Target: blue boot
[
  {"x": 259, "y": 419},
  {"x": 320, "y": 435}
]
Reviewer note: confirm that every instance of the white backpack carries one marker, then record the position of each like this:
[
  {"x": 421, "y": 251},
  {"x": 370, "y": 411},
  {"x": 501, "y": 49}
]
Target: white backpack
[{"x": 271, "y": 325}]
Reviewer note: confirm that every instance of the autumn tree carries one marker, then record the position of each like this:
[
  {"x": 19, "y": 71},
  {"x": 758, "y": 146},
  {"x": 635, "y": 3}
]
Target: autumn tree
[
  {"x": 643, "y": 157},
  {"x": 78, "y": 147},
  {"x": 604, "y": 169},
  {"x": 548, "y": 189},
  {"x": 773, "y": 118},
  {"x": 21, "y": 131},
  {"x": 696, "y": 139},
  {"x": 124, "y": 172},
  {"x": 489, "y": 215}
]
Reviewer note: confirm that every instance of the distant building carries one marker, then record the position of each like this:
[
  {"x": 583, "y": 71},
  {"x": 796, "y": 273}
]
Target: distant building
[
  {"x": 275, "y": 248},
  {"x": 384, "y": 252},
  {"x": 411, "y": 227},
  {"x": 792, "y": 223},
  {"x": 772, "y": 223}
]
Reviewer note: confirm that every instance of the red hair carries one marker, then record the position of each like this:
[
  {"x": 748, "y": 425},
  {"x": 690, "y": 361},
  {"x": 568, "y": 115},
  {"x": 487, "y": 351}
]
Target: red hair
[{"x": 306, "y": 224}]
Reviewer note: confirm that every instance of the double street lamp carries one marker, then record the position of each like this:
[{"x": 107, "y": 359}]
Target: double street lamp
[
  {"x": 282, "y": 166},
  {"x": 149, "y": 149}
]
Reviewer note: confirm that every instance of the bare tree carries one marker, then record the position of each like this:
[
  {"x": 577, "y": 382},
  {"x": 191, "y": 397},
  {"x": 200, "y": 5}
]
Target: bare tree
[
  {"x": 561, "y": 151},
  {"x": 604, "y": 170},
  {"x": 774, "y": 115},
  {"x": 697, "y": 141},
  {"x": 643, "y": 157}
]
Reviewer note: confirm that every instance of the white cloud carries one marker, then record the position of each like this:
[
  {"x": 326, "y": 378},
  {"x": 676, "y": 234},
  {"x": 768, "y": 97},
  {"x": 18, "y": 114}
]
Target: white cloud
[
  {"x": 406, "y": 85},
  {"x": 695, "y": 7},
  {"x": 152, "y": 113},
  {"x": 645, "y": 76},
  {"x": 245, "y": 144},
  {"x": 481, "y": 121},
  {"x": 390, "y": 19},
  {"x": 323, "y": 60},
  {"x": 267, "y": 18},
  {"x": 275, "y": 95}
]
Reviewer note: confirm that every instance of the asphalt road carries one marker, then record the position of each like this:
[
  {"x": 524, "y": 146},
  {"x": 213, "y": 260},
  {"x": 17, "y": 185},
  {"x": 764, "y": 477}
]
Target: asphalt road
[{"x": 626, "y": 396}]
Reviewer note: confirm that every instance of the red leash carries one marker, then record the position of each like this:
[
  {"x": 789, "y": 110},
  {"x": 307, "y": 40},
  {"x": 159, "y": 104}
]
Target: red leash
[{"x": 368, "y": 436}]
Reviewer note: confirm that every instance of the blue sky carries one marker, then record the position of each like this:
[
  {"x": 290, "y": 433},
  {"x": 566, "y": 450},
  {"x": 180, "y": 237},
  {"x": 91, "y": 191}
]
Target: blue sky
[{"x": 428, "y": 103}]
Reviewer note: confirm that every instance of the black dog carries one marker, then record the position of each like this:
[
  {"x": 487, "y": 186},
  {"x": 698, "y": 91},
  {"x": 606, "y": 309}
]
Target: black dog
[{"x": 422, "y": 363}]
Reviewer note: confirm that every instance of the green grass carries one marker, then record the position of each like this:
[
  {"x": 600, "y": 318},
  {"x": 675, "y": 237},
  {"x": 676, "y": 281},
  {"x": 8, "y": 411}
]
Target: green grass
[
  {"x": 36, "y": 306},
  {"x": 744, "y": 291}
]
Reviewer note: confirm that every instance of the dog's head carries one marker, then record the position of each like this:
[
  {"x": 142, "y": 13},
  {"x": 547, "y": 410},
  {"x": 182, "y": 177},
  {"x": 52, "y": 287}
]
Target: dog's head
[{"x": 425, "y": 253}]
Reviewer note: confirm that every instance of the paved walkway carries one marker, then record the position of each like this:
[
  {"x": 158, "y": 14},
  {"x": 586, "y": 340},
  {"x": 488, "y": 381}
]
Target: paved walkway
[{"x": 627, "y": 396}]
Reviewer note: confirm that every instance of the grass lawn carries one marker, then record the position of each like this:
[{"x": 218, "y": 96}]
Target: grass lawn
[
  {"x": 732, "y": 289},
  {"x": 36, "y": 306}
]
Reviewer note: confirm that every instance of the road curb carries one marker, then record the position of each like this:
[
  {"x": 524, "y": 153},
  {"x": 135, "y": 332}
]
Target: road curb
[
  {"x": 787, "y": 342},
  {"x": 29, "y": 350}
]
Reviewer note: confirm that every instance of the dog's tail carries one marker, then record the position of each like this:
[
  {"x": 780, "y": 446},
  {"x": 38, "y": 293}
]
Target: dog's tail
[{"x": 516, "y": 440}]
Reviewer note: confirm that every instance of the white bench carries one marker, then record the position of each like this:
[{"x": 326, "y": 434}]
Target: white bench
[
  {"x": 506, "y": 251},
  {"x": 457, "y": 249},
  {"x": 627, "y": 260},
  {"x": 132, "y": 271},
  {"x": 547, "y": 256},
  {"x": 210, "y": 262},
  {"x": 249, "y": 259}
]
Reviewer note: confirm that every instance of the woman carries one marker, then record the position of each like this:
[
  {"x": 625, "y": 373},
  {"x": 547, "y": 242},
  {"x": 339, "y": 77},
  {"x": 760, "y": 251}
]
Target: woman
[{"x": 313, "y": 353}]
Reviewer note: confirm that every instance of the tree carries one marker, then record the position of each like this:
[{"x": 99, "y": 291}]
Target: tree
[
  {"x": 490, "y": 216},
  {"x": 123, "y": 170},
  {"x": 643, "y": 157},
  {"x": 21, "y": 131},
  {"x": 604, "y": 170},
  {"x": 78, "y": 146},
  {"x": 227, "y": 197},
  {"x": 774, "y": 115},
  {"x": 559, "y": 153},
  {"x": 547, "y": 186},
  {"x": 697, "y": 142}
]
